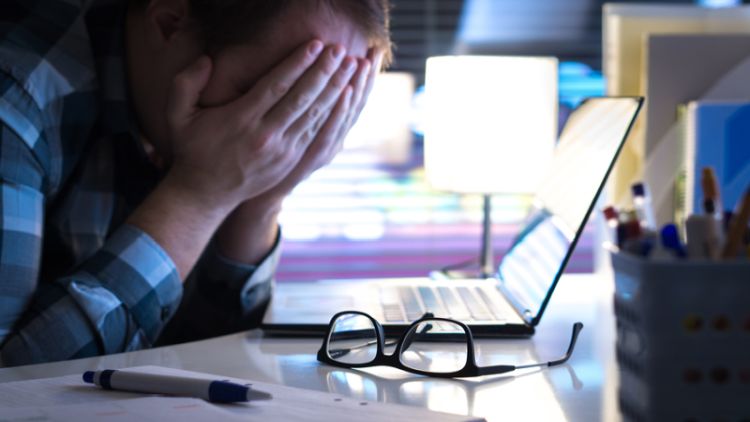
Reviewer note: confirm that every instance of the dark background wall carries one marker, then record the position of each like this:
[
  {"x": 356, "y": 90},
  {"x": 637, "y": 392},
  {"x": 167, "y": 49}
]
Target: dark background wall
[{"x": 568, "y": 29}]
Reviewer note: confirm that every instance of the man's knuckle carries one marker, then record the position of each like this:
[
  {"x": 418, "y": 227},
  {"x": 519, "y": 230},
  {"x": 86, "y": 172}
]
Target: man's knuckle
[
  {"x": 339, "y": 81},
  {"x": 317, "y": 126},
  {"x": 279, "y": 88},
  {"x": 314, "y": 111},
  {"x": 265, "y": 142},
  {"x": 330, "y": 67},
  {"x": 309, "y": 135},
  {"x": 301, "y": 100}
]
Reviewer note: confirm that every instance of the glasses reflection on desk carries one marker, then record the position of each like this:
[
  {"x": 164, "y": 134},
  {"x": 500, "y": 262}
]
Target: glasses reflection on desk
[{"x": 459, "y": 396}]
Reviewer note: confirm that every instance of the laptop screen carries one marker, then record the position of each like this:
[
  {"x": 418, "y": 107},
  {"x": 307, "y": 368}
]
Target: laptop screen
[{"x": 583, "y": 158}]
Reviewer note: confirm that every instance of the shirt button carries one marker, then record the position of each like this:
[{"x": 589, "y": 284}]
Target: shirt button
[{"x": 164, "y": 313}]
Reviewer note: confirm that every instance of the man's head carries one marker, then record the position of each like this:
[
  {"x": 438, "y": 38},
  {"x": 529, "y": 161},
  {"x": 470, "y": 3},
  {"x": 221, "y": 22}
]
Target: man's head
[
  {"x": 230, "y": 22},
  {"x": 223, "y": 23},
  {"x": 244, "y": 38}
]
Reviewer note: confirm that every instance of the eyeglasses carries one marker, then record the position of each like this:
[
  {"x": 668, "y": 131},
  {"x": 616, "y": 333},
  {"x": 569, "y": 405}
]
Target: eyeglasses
[{"x": 436, "y": 347}]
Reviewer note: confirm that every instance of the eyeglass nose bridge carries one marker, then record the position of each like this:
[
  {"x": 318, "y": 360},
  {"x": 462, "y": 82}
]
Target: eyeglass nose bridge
[{"x": 408, "y": 337}]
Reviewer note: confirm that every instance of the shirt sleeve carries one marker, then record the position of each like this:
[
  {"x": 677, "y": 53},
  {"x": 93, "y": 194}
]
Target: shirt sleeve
[
  {"x": 119, "y": 299},
  {"x": 223, "y": 296}
]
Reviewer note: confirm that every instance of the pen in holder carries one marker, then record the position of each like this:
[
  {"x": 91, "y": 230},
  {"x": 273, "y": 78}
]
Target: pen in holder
[{"x": 683, "y": 338}]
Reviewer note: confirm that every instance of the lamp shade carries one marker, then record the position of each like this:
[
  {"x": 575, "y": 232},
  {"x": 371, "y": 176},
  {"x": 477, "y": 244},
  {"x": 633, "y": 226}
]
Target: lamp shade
[{"x": 491, "y": 122}]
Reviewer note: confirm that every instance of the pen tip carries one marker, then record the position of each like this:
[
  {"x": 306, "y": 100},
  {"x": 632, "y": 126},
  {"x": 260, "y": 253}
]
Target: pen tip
[
  {"x": 258, "y": 395},
  {"x": 638, "y": 189},
  {"x": 88, "y": 377}
]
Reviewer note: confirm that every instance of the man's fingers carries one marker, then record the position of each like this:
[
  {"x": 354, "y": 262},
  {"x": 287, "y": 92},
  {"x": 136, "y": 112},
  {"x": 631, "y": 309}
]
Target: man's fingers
[
  {"x": 375, "y": 57},
  {"x": 276, "y": 84},
  {"x": 358, "y": 93},
  {"x": 360, "y": 81},
  {"x": 325, "y": 101},
  {"x": 345, "y": 126},
  {"x": 326, "y": 79},
  {"x": 330, "y": 133},
  {"x": 186, "y": 90},
  {"x": 375, "y": 60}
]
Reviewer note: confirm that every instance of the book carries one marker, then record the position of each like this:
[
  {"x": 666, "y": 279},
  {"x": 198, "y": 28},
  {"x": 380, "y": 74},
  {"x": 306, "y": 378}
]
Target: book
[
  {"x": 678, "y": 68},
  {"x": 718, "y": 135},
  {"x": 625, "y": 27}
]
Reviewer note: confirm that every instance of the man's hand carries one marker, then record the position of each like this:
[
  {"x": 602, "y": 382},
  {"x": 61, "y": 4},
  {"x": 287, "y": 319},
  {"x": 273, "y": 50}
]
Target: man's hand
[
  {"x": 330, "y": 139},
  {"x": 228, "y": 154},
  {"x": 225, "y": 155},
  {"x": 249, "y": 232}
]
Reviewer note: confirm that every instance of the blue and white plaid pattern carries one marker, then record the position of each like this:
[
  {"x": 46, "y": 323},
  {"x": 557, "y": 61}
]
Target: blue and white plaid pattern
[{"x": 75, "y": 280}]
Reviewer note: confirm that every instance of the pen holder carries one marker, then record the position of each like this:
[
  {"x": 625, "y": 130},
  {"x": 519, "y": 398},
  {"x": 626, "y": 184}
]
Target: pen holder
[{"x": 683, "y": 339}]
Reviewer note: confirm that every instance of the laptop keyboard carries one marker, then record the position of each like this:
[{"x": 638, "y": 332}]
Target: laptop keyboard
[
  {"x": 405, "y": 303},
  {"x": 410, "y": 302}
]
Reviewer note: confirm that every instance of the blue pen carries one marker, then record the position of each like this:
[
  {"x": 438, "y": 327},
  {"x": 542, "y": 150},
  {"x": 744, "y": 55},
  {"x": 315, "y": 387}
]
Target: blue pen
[
  {"x": 670, "y": 239},
  {"x": 211, "y": 390}
]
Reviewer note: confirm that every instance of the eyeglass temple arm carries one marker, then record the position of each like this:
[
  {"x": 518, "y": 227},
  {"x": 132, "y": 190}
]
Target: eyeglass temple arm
[
  {"x": 337, "y": 353},
  {"x": 577, "y": 327},
  {"x": 501, "y": 369}
]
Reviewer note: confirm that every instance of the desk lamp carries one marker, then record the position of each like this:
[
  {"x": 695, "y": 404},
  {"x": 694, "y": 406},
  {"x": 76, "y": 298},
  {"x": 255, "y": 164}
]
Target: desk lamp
[{"x": 491, "y": 128}]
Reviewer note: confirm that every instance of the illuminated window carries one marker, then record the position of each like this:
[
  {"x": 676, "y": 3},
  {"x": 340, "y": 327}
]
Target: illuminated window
[{"x": 370, "y": 213}]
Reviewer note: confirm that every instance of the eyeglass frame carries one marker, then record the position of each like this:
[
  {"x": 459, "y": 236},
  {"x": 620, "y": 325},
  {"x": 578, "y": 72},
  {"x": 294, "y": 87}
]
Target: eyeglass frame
[{"x": 470, "y": 369}]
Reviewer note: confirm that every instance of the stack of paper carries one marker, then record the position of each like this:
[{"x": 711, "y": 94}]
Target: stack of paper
[{"x": 69, "y": 399}]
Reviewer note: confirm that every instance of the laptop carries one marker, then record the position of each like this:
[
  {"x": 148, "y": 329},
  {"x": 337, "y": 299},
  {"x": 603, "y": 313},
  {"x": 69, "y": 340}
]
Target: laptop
[{"x": 511, "y": 303}]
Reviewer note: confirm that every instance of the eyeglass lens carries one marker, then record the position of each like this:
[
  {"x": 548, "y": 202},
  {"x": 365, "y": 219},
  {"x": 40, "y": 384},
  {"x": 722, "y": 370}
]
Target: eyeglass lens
[
  {"x": 353, "y": 340},
  {"x": 435, "y": 346}
]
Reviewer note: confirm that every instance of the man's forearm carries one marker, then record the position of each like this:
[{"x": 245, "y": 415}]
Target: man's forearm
[{"x": 181, "y": 223}]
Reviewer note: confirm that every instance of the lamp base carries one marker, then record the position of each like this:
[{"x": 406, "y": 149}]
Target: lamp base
[
  {"x": 486, "y": 261},
  {"x": 459, "y": 274}
]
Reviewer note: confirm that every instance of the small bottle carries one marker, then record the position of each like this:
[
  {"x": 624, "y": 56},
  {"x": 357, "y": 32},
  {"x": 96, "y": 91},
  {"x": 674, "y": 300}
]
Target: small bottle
[
  {"x": 643, "y": 206},
  {"x": 611, "y": 218}
]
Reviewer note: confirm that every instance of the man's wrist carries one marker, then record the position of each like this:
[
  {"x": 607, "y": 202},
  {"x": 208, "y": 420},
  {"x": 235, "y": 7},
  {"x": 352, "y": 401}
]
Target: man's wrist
[
  {"x": 249, "y": 232},
  {"x": 211, "y": 203}
]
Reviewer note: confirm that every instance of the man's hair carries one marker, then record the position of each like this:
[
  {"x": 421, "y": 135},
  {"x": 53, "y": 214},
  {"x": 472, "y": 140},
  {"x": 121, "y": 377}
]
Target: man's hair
[{"x": 224, "y": 23}]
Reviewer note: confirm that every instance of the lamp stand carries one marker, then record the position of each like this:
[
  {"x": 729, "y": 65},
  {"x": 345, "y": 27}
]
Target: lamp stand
[
  {"x": 487, "y": 260},
  {"x": 486, "y": 256}
]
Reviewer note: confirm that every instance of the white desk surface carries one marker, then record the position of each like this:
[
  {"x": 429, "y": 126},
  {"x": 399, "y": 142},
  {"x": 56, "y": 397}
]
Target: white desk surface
[{"x": 584, "y": 389}]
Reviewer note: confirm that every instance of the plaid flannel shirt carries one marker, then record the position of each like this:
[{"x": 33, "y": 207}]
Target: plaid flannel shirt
[{"x": 75, "y": 280}]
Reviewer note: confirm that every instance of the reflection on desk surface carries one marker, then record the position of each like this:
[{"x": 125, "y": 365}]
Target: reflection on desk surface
[
  {"x": 446, "y": 395},
  {"x": 483, "y": 396}
]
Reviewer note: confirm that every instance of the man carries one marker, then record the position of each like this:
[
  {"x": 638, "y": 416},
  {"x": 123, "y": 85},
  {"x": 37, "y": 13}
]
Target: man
[{"x": 146, "y": 143}]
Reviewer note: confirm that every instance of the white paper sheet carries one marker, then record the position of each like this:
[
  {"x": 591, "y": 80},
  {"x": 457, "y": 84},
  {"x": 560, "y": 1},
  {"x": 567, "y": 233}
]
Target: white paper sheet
[
  {"x": 147, "y": 409},
  {"x": 68, "y": 398}
]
